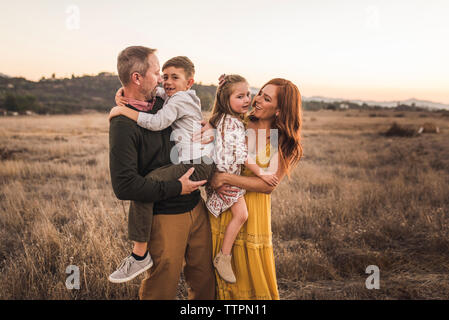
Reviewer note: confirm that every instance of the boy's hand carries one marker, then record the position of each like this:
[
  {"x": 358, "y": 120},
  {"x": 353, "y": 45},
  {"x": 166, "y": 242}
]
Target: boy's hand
[
  {"x": 119, "y": 98},
  {"x": 205, "y": 135},
  {"x": 116, "y": 111},
  {"x": 271, "y": 179}
]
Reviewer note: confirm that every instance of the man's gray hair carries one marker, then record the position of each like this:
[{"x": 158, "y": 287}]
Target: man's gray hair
[{"x": 133, "y": 59}]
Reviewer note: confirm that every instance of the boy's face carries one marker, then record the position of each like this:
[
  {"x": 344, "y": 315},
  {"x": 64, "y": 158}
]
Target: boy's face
[{"x": 174, "y": 80}]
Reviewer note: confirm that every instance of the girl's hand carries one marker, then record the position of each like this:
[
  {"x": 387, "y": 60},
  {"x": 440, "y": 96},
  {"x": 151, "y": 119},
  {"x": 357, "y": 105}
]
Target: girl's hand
[
  {"x": 116, "y": 111},
  {"x": 205, "y": 135},
  {"x": 270, "y": 179},
  {"x": 120, "y": 100}
]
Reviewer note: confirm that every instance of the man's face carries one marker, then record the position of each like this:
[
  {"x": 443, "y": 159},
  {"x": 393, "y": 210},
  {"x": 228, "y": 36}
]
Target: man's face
[{"x": 152, "y": 78}]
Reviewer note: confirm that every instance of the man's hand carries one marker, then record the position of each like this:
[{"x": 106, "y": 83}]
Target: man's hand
[{"x": 188, "y": 186}]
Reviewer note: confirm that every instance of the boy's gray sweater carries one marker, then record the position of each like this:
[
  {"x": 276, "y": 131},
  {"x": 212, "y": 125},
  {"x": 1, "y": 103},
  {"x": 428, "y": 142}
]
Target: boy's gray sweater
[{"x": 183, "y": 112}]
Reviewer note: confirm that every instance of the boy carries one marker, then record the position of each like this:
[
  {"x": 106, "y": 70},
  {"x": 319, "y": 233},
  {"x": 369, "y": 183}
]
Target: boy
[{"x": 181, "y": 111}]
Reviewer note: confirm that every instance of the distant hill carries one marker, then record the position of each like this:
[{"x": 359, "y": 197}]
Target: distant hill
[
  {"x": 78, "y": 94},
  {"x": 385, "y": 104},
  {"x": 71, "y": 95}
]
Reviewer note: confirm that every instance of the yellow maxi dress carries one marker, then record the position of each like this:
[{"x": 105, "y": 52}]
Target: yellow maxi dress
[{"x": 252, "y": 253}]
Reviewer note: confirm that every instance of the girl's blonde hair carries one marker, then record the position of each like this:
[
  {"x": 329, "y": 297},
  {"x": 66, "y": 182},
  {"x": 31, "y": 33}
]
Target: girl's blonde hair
[{"x": 221, "y": 103}]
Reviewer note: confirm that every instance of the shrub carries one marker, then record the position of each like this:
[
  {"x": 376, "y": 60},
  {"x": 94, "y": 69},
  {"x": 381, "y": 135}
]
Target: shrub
[
  {"x": 400, "y": 131},
  {"x": 430, "y": 127}
]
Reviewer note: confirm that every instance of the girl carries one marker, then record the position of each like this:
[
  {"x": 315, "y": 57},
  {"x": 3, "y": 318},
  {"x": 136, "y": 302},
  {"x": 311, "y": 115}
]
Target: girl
[
  {"x": 231, "y": 104},
  {"x": 277, "y": 107}
]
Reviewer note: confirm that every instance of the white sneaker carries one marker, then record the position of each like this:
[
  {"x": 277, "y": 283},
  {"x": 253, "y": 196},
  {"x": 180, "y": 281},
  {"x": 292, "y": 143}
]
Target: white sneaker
[{"x": 130, "y": 268}]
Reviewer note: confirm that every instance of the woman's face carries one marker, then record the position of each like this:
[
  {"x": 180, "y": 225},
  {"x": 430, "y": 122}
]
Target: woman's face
[{"x": 265, "y": 103}]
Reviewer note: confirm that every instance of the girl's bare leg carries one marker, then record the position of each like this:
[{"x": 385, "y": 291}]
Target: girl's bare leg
[{"x": 239, "y": 217}]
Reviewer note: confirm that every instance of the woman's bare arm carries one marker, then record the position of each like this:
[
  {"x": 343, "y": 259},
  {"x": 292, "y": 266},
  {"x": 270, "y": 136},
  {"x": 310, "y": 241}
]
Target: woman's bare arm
[{"x": 254, "y": 184}]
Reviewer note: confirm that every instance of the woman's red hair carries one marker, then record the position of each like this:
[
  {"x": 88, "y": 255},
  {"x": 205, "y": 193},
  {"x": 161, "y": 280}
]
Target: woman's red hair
[{"x": 288, "y": 122}]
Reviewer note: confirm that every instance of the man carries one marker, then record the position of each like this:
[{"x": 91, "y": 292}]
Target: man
[{"x": 180, "y": 227}]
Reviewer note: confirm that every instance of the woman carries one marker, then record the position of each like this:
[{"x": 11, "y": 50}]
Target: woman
[{"x": 277, "y": 106}]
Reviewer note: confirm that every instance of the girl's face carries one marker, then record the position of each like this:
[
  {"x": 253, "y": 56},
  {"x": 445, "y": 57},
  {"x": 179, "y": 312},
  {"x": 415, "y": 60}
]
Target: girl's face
[
  {"x": 265, "y": 103},
  {"x": 240, "y": 98}
]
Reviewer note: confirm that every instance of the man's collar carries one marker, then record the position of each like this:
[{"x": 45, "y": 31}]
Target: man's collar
[{"x": 144, "y": 106}]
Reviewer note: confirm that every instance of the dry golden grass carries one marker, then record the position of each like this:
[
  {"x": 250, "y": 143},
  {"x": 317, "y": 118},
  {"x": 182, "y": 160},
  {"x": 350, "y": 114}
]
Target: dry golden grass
[{"x": 357, "y": 198}]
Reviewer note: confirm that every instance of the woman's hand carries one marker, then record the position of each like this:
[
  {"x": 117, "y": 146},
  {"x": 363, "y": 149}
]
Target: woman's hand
[
  {"x": 120, "y": 100},
  {"x": 205, "y": 135},
  {"x": 227, "y": 190},
  {"x": 218, "y": 183},
  {"x": 271, "y": 179},
  {"x": 218, "y": 180},
  {"x": 116, "y": 111}
]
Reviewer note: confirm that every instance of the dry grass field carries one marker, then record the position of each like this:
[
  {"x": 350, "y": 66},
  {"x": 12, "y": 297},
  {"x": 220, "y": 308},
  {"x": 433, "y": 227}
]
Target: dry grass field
[{"x": 358, "y": 198}]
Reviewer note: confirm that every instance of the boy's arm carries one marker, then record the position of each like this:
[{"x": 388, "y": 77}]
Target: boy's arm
[
  {"x": 123, "y": 111},
  {"x": 123, "y": 161},
  {"x": 173, "y": 110}
]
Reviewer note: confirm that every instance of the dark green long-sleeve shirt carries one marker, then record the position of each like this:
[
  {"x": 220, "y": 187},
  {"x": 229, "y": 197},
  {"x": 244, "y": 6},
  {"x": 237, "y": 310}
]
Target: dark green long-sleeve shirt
[{"x": 133, "y": 153}]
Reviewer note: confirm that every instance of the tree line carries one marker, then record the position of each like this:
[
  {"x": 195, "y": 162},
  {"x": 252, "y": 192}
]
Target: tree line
[
  {"x": 71, "y": 95},
  {"x": 78, "y": 94}
]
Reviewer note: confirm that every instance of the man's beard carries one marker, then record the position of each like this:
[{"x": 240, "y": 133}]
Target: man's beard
[{"x": 149, "y": 95}]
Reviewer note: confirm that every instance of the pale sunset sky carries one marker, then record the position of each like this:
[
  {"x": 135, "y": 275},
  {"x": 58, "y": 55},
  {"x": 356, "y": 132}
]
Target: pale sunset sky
[{"x": 352, "y": 49}]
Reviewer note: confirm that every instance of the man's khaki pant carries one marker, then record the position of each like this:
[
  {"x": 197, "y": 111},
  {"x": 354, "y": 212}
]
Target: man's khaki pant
[
  {"x": 175, "y": 238},
  {"x": 141, "y": 213}
]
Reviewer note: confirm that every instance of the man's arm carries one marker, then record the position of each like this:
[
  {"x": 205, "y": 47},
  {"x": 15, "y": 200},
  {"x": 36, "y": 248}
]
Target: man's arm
[{"x": 123, "y": 161}]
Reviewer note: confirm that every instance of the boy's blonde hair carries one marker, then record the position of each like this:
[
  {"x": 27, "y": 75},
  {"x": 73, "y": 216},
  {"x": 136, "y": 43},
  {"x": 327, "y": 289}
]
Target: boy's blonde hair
[
  {"x": 181, "y": 62},
  {"x": 221, "y": 104}
]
